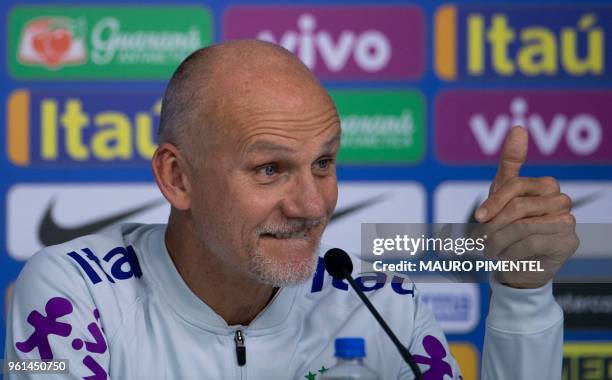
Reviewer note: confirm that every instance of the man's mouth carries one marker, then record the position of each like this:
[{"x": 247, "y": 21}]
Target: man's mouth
[
  {"x": 303, "y": 234},
  {"x": 303, "y": 231}
]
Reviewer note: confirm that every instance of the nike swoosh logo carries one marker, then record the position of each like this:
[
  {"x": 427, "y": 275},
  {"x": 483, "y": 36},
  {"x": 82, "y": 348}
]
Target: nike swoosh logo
[
  {"x": 348, "y": 210},
  {"x": 51, "y": 233},
  {"x": 587, "y": 199}
]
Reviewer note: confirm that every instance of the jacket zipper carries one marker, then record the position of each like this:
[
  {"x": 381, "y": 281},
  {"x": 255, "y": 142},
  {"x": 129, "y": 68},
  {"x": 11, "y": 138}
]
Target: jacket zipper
[{"x": 240, "y": 348}]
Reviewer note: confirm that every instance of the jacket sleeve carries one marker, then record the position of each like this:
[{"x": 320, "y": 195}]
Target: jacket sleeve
[
  {"x": 524, "y": 334},
  {"x": 429, "y": 347},
  {"x": 52, "y": 316},
  {"x": 523, "y": 338}
]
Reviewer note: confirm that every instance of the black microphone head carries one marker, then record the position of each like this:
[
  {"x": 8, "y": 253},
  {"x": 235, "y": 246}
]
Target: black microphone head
[{"x": 338, "y": 263}]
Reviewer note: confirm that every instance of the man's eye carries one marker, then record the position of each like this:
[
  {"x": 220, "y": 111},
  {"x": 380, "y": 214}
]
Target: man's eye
[
  {"x": 267, "y": 170},
  {"x": 323, "y": 163}
]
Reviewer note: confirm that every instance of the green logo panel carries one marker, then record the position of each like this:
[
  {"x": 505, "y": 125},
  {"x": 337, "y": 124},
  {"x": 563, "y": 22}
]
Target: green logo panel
[
  {"x": 82, "y": 42},
  {"x": 381, "y": 127}
]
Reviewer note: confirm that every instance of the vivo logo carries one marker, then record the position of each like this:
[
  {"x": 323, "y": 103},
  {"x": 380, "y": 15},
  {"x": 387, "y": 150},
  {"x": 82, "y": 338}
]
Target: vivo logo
[
  {"x": 582, "y": 132},
  {"x": 370, "y": 50},
  {"x": 564, "y": 126},
  {"x": 339, "y": 42}
]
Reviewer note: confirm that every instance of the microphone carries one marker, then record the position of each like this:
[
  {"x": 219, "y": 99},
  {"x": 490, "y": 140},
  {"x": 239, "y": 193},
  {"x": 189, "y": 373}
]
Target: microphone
[{"x": 339, "y": 265}]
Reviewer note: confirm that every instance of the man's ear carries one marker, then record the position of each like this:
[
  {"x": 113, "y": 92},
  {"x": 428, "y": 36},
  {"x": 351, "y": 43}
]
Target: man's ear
[{"x": 171, "y": 172}]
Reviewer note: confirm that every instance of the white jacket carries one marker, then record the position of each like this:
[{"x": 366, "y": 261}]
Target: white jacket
[{"x": 115, "y": 306}]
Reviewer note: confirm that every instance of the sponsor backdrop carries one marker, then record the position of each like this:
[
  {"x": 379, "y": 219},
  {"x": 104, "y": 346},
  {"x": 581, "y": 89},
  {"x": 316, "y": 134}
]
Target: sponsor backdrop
[{"x": 426, "y": 90}]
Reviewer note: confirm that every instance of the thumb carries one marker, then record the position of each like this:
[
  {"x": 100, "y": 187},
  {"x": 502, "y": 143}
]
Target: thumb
[{"x": 512, "y": 157}]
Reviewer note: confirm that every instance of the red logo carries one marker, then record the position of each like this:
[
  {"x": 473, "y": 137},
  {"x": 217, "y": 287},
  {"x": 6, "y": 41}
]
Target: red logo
[{"x": 52, "y": 42}]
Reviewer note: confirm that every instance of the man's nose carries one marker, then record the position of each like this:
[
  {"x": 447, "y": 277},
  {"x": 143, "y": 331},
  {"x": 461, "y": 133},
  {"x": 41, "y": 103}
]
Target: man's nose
[{"x": 305, "y": 198}]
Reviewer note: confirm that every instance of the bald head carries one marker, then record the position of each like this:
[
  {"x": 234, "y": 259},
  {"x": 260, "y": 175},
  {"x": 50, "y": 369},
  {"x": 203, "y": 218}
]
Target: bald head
[{"x": 213, "y": 83}]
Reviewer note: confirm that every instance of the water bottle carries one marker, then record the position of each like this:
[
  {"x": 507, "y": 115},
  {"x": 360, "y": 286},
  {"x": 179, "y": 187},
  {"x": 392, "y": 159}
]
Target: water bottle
[{"x": 349, "y": 353}]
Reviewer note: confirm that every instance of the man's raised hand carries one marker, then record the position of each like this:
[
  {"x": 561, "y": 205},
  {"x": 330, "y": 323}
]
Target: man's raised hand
[{"x": 526, "y": 218}]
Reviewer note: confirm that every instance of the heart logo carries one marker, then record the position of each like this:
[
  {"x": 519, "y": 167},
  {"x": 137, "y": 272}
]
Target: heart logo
[
  {"x": 60, "y": 41},
  {"x": 53, "y": 41},
  {"x": 52, "y": 45}
]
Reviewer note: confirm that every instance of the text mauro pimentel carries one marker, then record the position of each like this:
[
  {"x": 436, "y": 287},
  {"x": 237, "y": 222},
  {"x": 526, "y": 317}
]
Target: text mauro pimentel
[{"x": 435, "y": 254}]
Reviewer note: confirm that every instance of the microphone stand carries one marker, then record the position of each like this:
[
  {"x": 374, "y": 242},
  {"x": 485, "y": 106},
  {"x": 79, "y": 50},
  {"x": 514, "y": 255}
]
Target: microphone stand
[{"x": 402, "y": 350}]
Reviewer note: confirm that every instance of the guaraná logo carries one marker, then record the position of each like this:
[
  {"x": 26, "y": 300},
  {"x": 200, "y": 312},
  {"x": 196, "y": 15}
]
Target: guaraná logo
[
  {"x": 381, "y": 126},
  {"x": 104, "y": 42}
]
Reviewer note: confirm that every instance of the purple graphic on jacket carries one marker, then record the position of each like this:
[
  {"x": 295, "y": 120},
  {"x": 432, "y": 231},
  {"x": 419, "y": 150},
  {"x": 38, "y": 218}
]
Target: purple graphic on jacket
[
  {"x": 98, "y": 371},
  {"x": 47, "y": 325},
  {"x": 437, "y": 366},
  {"x": 98, "y": 346}
]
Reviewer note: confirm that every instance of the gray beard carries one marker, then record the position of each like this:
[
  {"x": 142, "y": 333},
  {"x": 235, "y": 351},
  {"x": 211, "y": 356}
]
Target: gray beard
[{"x": 278, "y": 273}]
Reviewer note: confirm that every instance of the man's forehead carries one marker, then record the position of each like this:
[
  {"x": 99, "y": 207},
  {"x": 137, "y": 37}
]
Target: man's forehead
[
  {"x": 283, "y": 111},
  {"x": 272, "y": 92},
  {"x": 267, "y": 144}
]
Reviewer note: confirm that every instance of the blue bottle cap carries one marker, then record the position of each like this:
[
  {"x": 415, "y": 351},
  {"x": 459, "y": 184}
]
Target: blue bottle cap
[{"x": 348, "y": 348}]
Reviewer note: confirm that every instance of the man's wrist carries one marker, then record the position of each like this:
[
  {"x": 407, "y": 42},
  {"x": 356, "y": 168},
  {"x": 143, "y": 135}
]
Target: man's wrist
[
  {"x": 522, "y": 310},
  {"x": 523, "y": 285}
]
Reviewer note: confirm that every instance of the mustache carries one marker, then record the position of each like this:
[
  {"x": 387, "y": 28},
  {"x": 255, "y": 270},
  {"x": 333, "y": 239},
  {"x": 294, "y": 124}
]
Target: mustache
[{"x": 291, "y": 226}]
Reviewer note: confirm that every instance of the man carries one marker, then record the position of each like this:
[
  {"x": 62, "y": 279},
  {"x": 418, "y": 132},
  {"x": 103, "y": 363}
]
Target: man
[{"x": 247, "y": 146}]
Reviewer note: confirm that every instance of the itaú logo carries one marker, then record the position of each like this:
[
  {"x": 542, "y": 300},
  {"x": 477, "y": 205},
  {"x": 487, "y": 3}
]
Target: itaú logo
[
  {"x": 366, "y": 281},
  {"x": 68, "y": 128},
  {"x": 525, "y": 42},
  {"x": 369, "y": 49},
  {"x": 582, "y": 132}
]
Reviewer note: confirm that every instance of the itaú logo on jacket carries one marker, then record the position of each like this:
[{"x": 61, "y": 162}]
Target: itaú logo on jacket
[
  {"x": 366, "y": 281},
  {"x": 340, "y": 42},
  {"x": 124, "y": 264}
]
